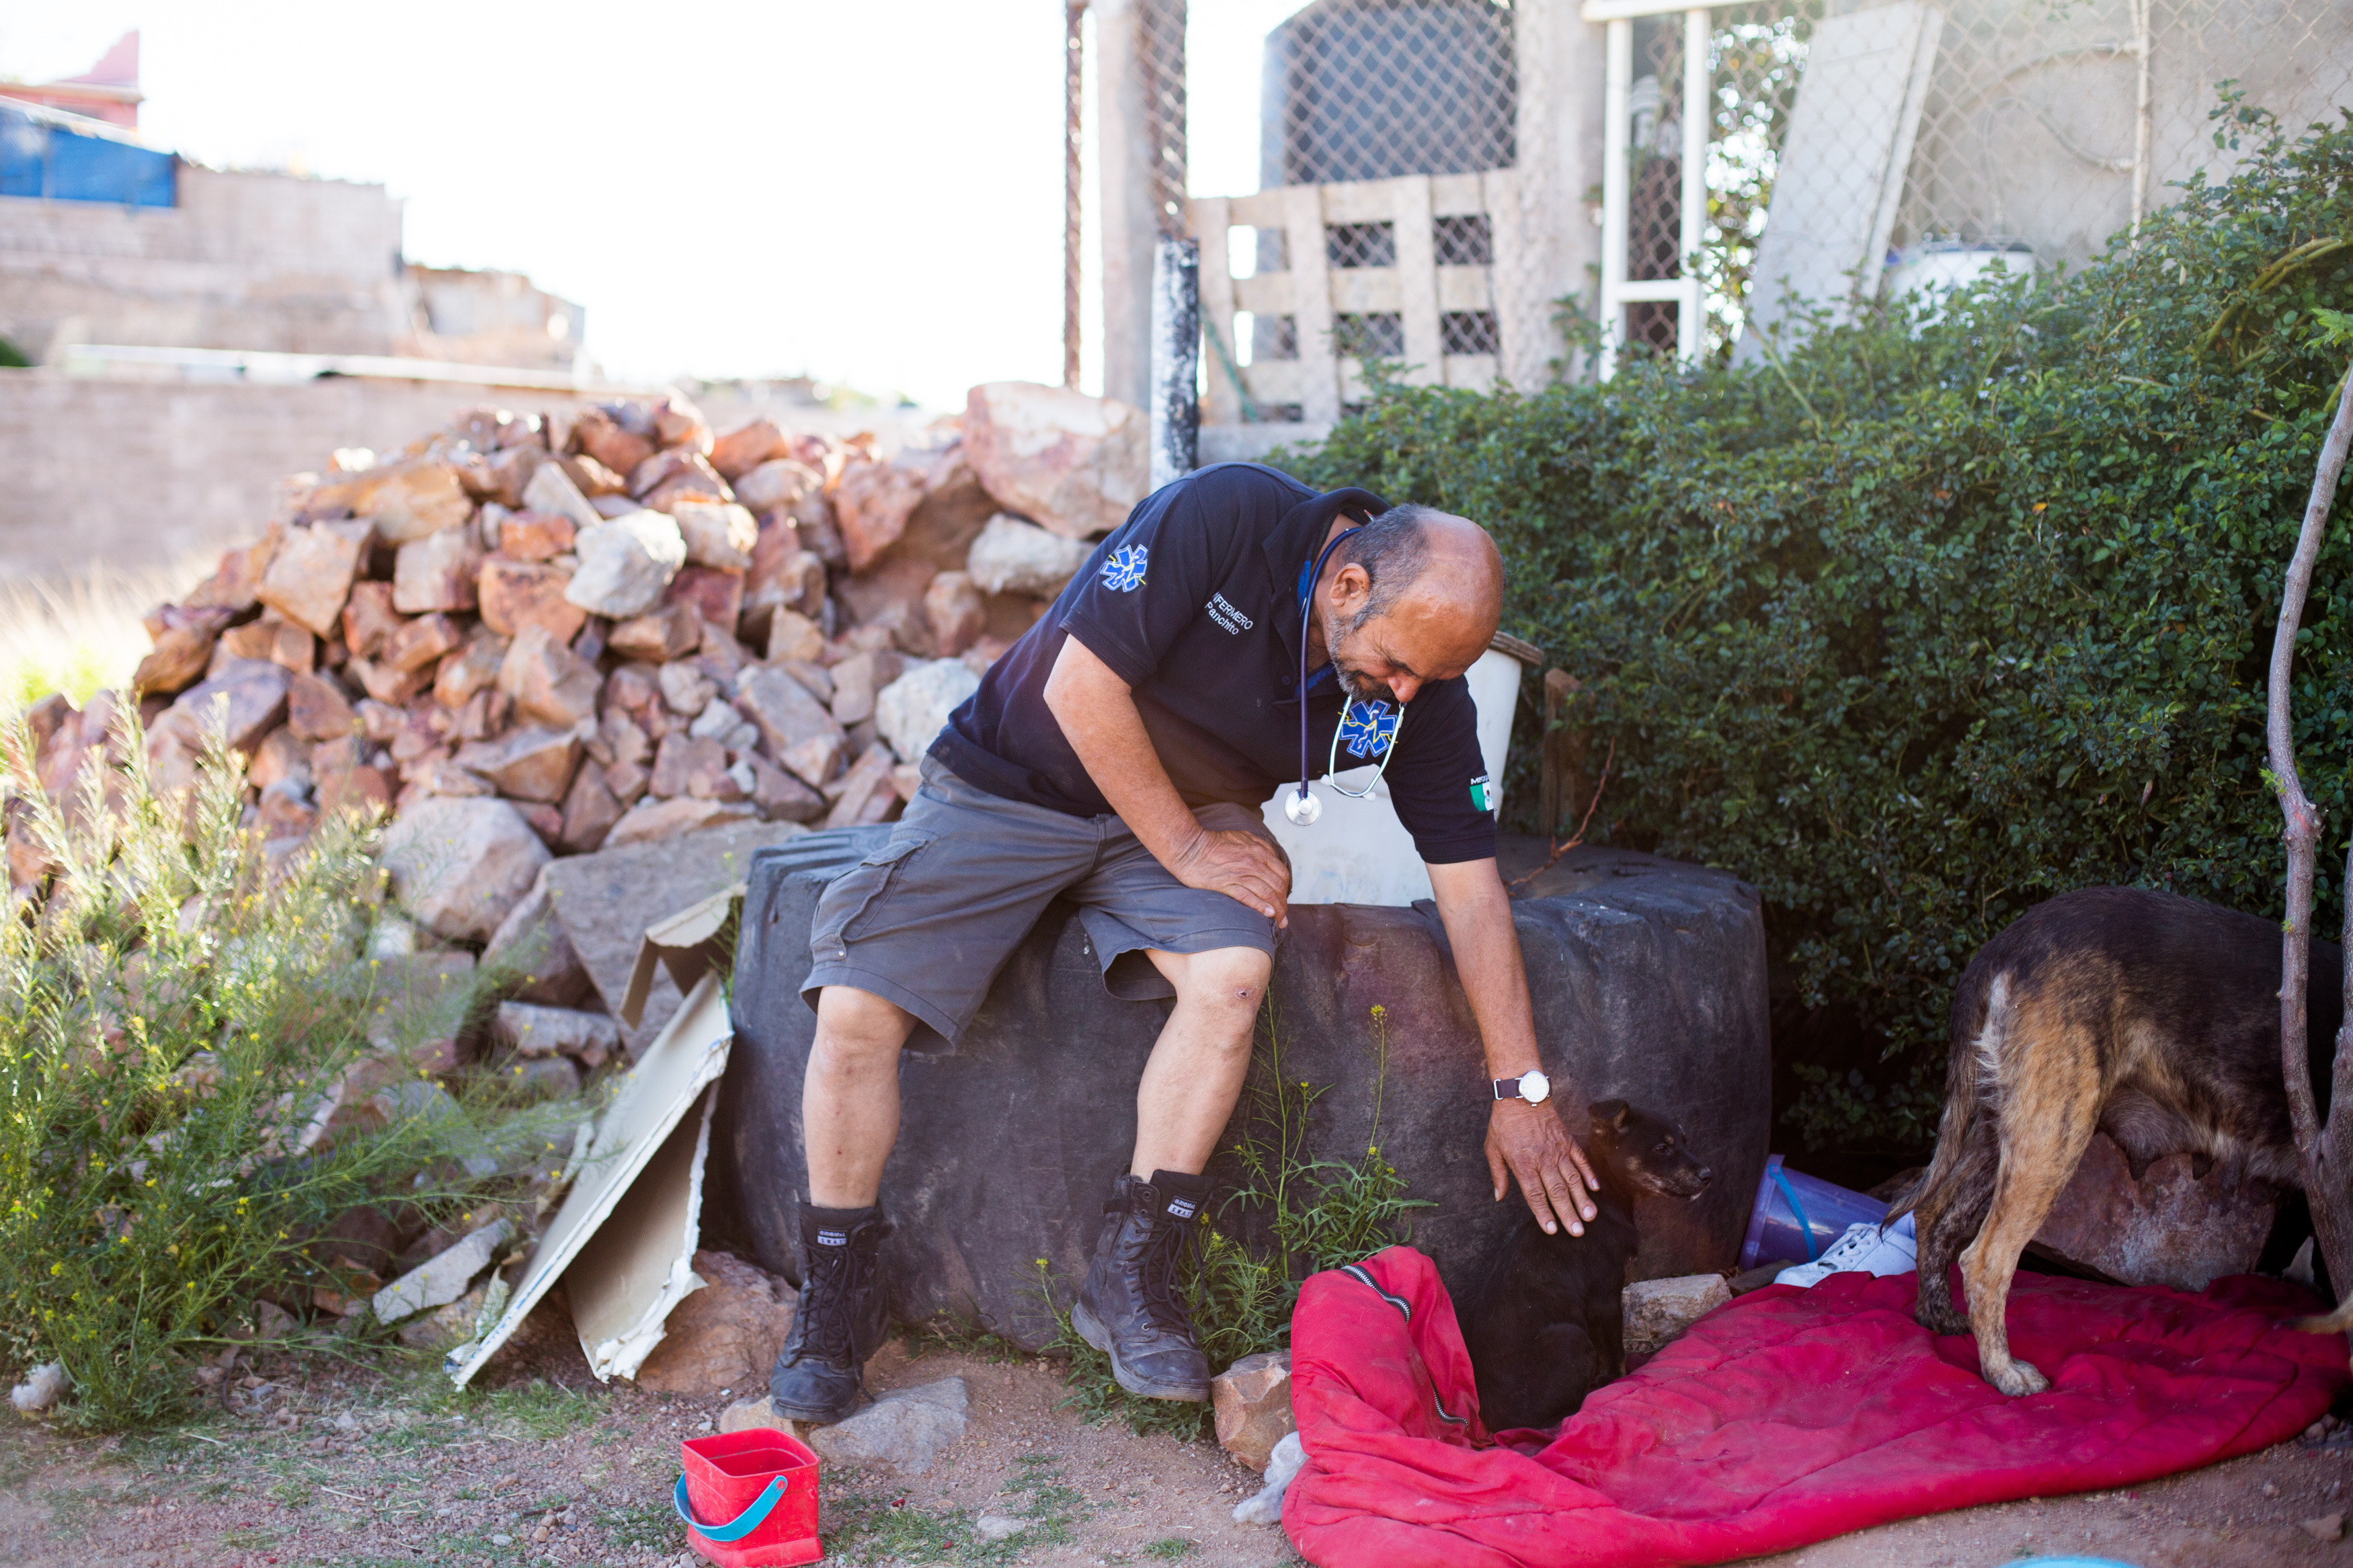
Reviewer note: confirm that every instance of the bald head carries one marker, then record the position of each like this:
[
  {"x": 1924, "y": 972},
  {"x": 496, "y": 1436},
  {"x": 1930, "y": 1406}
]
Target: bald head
[{"x": 1417, "y": 597}]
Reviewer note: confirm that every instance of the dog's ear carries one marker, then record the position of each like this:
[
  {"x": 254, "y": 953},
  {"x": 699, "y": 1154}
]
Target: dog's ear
[{"x": 1612, "y": 1114}]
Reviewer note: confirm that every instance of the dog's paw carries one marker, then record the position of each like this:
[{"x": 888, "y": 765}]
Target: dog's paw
[{"x": 2019, "y": 1379}]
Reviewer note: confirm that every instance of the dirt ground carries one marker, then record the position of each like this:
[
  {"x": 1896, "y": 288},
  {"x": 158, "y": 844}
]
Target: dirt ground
[{"x": 539, "y": 1464}]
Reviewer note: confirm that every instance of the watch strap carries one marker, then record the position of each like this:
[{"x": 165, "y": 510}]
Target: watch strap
[{"x": 1508, "y": 1089}]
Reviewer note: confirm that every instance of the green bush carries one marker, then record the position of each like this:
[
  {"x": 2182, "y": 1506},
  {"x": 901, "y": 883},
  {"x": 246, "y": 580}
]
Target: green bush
[
  {"x": 180, "y": 1121},
  {"x": 1926, "y": 619}
]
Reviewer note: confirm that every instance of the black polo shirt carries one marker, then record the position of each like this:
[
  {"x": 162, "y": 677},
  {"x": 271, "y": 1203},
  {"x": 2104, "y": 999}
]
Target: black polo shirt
[{"x": 1195, "y": 601}]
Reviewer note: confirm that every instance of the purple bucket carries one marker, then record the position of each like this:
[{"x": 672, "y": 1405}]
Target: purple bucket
[{"x": 1797, "y": 1216}]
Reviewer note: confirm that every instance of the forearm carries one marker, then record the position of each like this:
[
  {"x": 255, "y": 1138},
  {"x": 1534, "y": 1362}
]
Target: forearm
[
  {"x": 1099, "y": 718},
  {"x": 1477, "y": 914}
]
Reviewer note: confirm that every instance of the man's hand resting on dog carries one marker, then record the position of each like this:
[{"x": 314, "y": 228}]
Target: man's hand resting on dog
[{"x": 1551, "y": 1170}]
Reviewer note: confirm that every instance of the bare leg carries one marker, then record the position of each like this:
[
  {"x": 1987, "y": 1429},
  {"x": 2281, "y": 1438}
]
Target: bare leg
[
  {"x": 849, "y": 1097},
  {"x": 1197, "y": 1065}
]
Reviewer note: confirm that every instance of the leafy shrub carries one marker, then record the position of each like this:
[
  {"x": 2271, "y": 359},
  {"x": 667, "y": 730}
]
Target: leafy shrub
[
  {"x": 185, "y": 1081},
  {"x": 1931, "y": 616}
]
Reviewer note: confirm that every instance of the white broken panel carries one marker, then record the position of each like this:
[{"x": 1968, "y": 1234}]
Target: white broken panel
[
  {"x": 640, "y": 1263},
  {"x": 1841, "y": 171},
  {"x": 683, "y": 1060}
]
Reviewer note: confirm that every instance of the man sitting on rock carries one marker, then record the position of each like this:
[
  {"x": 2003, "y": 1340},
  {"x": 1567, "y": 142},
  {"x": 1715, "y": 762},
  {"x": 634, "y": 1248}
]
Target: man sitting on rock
[{"x": 1117, "y": 756}]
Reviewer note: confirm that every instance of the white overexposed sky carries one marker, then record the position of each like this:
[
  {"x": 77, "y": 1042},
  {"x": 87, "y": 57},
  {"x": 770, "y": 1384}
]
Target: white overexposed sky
[{"x": 868, "y": 191}]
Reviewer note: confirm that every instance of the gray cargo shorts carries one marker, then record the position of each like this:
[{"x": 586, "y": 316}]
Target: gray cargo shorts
[{"x": 927, "y": 921}]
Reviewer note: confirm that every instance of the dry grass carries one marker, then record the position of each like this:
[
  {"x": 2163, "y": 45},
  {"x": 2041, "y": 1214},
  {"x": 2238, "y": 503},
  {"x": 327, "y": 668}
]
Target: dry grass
[{"x": 80, "y": 634}]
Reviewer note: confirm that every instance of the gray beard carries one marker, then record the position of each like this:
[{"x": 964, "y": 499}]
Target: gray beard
[
  {"x": 1361, "y": 689},
  {"x": 1356, "y": 688}
]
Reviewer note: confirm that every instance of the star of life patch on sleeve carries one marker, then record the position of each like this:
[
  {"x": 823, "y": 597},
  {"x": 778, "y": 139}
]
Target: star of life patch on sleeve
[{"x": 1124, "y": 569}]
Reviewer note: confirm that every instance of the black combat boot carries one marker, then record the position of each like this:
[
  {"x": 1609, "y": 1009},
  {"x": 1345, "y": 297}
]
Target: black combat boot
[
  {"x": 841, "y": 1318},
  {"x": 1129, "y": 1309}
]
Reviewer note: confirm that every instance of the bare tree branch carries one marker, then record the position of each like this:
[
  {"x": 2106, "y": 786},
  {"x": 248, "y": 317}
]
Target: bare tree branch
[{"x": 2325, "y": 1179}]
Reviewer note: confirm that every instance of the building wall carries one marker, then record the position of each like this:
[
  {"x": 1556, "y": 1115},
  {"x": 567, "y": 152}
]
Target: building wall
[
  {"x": 2029, "y": 130},
  {"x": 141, "y": 476},
  {"x": 245, "y": 260}
]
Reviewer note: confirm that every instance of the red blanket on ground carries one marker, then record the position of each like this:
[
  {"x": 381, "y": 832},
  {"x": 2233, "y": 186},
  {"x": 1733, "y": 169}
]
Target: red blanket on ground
[{"x": 1785, "y": 1418}]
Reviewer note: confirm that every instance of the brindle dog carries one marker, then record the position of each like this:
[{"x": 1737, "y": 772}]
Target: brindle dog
[
  {"x": 1549, "y": 1321},
  {"x": 2151, "y": 1018}
]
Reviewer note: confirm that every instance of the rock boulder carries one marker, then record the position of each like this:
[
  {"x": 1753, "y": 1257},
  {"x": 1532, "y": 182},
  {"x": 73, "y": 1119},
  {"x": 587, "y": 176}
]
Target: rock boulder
[
  {"x": 723, "y": 1336},
  {"x": 1648, "y": 983},
  {"x": 462, "y": 864},
  {"x": 605, "y": 901},
  {"x": 907, "y": 1428},
  {"x": 626, "y": 563},
  {"x": 2168, "y": 1227},
  {"x": 1012, "y": 556},
  {"x": 1253, "y": 1401},
  {"x": 913, "y": 709},
  {"x": 1074, "y": 464}
]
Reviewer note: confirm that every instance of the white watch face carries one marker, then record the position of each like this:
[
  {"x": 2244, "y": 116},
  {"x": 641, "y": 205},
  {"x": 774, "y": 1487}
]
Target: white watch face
[{"x": 1535, "y": 1088}]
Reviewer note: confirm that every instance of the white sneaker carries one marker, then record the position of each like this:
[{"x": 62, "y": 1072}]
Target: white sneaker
[{"x": 1864, "y": 1248}]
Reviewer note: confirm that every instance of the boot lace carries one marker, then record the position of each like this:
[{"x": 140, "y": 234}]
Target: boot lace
[
  {"x": 1167, "y": 1242},
  {"x": 826, "y": 1319}
]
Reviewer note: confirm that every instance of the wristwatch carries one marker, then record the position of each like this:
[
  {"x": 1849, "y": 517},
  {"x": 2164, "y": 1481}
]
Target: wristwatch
[{"x": 1532, "y": 1087}]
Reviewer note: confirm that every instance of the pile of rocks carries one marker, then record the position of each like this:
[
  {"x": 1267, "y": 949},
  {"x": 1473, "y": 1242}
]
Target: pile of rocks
[{"x": 619, "y": 622}]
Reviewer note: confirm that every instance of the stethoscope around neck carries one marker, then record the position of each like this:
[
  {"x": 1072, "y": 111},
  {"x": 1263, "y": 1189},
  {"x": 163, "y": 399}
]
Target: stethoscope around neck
[{"x": 1301, "y": 805}]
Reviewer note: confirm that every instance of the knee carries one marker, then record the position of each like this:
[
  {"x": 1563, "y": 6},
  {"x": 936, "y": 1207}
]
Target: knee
[
  {"x": 1231, "y": 980},
  {"x": 857, "y": 1024}
]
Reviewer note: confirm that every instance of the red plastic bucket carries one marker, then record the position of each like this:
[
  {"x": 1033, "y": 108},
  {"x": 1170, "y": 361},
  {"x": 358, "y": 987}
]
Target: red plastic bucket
[{"x": 749, "y": 1499}]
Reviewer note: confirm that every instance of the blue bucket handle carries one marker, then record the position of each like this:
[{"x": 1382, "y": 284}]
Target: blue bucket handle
[
  {"x": 1805, "y": 1226},
  {"x": 744, "y": 1523}
]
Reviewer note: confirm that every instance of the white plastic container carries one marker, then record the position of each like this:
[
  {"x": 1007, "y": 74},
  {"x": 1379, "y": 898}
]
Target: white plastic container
[{"x": 1358, "y": 852}]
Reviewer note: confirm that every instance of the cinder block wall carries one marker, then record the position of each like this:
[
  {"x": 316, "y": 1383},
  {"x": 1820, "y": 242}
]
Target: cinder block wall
[
  {"x": 245, "y": 260},
  {"x": 141, "y": 476}
]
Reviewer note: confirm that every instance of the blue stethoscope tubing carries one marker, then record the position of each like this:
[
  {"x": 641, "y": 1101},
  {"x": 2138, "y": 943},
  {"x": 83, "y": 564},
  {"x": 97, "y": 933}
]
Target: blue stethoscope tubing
[{"x": 1304, "y": 809}]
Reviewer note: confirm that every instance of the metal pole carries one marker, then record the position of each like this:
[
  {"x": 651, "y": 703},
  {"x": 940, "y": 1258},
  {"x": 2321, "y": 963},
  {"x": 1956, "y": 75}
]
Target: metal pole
[
  {"x": 2141, "y": 45},
  {"x": 1176, "y": 359},
  {"x": 1699, "y": 112},
  {"x": 1074, "y": 88},
  {"x": 1617, "y": 87}
]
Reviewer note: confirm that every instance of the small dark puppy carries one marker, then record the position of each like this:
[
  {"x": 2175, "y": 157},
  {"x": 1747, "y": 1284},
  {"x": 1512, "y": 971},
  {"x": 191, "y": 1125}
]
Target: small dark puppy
[{"x": 1547, "y": 1325}]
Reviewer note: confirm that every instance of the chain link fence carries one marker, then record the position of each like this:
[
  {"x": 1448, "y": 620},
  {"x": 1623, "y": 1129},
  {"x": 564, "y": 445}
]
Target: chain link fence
[
  {"x": 1905, "y": 146},
  {"x": 1760, "y": 161}
]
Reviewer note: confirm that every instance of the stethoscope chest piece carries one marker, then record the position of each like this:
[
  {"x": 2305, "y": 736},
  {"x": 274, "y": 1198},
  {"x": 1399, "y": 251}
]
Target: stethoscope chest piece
[{"x": 1301, "y": 806}]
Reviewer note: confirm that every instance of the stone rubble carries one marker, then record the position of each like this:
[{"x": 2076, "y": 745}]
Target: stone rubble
[
  {"x": 541, "y": 640},
  {"x": 443, "y": 1278}
]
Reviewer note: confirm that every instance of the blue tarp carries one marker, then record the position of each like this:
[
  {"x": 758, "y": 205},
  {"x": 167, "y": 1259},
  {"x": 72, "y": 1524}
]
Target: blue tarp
[{"x": 40, "y": 157}]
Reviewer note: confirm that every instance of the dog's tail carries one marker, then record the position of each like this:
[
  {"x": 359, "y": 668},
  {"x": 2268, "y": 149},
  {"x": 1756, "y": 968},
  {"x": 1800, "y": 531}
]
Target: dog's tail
[{"x": 1981, "y": 1018}]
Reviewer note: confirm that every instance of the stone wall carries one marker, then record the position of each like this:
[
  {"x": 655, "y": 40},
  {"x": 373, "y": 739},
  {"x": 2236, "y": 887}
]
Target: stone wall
[{"x": 145, "y": 474}]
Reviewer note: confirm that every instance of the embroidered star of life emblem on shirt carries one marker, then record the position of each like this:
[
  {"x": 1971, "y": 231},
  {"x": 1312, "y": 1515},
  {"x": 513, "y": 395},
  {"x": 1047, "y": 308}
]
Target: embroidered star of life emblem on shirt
[
  {"x": 1367, "y": 728},
  {"x": 1123, "y": 570}
]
